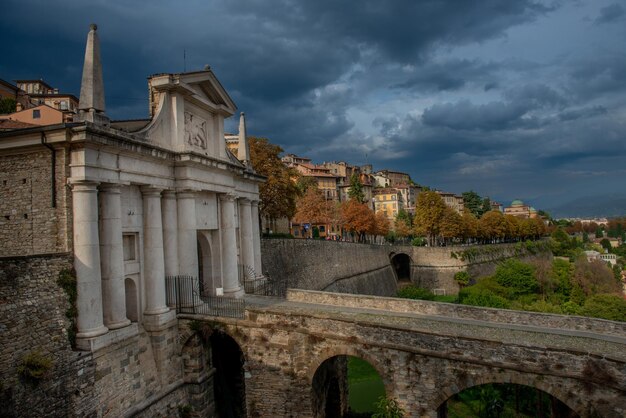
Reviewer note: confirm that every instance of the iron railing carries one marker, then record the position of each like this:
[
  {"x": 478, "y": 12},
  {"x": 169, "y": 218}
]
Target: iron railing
[
  {"x": 262, "y": 285},
  {"x": 183, "y": 292}
]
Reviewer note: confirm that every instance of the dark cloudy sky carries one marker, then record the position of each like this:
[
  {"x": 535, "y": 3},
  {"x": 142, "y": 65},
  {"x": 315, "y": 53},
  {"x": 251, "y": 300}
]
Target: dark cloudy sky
[{"x": 514, "y": 99}]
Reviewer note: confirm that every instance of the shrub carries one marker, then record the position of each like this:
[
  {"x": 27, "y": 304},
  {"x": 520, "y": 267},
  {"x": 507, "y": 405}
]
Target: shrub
[
  {"x": 35, "y": 366},
  {"x": 543, "y": 306},
  {"x": 462, "y": 278},
  {"x": 517, "y": 276},
  {"x": 418, "y": 242},
  {"x": 414, "y": 292},
  {"x": 605, "y": 306},
  {"x": 388, "y": 408},
  {"x": 477, "y": 296}
]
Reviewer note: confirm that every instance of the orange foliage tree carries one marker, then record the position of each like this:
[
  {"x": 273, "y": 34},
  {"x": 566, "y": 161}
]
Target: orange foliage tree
[{"x": 358, "y": 218}]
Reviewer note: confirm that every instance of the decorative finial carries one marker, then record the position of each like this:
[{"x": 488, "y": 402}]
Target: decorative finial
[
  {"x": 207, "y": 67},
  {"x": 93, "y": 26}
]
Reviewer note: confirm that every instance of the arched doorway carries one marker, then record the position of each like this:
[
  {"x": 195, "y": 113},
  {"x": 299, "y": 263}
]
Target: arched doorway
[
  {"x": 130, "y": 288},
  {"x": 504, "y": 400},
  {"x": 347, "y": 387},
  {"x": 401, "y": 264},
  {"x": 228, "y": 381},
  {"x": 206, "y": 268}
]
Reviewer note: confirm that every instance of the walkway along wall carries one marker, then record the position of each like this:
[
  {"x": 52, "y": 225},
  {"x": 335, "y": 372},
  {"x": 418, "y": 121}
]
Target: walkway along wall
[{"x": 366, "y": 269}]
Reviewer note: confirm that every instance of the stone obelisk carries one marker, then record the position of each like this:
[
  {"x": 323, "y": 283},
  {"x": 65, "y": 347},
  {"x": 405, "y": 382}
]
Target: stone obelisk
[{"x": 91, "y": 104}]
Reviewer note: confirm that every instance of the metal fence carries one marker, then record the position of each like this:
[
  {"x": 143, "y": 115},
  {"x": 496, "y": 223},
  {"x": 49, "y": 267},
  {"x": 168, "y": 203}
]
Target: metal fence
[
  {"x": 183, "y": 292},
  {"x": 261, "y": 285}
]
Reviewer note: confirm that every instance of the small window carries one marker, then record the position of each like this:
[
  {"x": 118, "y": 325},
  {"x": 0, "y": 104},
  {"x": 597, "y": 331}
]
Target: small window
[
  {"x": 322, "y": 228},
  {"x": 130, "y": 252},
  {"x": 63, "y": 104},
  {"x": 36, "y": 114}
]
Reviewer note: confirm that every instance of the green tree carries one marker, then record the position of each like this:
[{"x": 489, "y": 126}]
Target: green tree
[
  {"x": 486, "y": 206},
  {"x": 356, "y": 189},
  {"x": 462, "y": 278},
  {"x": 473, "y": 202},
  {"x": 388, "y": 408},
  {"x": 517, "y": 276},
  {"x": 7, "y": 105},
  {"x": 611, "y": 307},
  {"x": 606, "y": 244}
]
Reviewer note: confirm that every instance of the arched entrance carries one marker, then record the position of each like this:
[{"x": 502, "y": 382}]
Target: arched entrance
[
  {"x": 345, "y": 386},
  {"x": 207, "y": 277},
  {"x": 401, "y": 264},
  {"x": 228, "y": 381},
  {"x": 504, "y": 400}
]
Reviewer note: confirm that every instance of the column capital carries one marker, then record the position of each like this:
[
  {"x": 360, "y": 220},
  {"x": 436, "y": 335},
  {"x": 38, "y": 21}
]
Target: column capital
[
  {"x": 227, "y": 197},
  {"x": 151, "y": 191},
  {"x": 186, "y": 194},
  {"x": 113, "y": 188},
  {"x": 84, "y": 186},
  {"x": 244, "y": 201},
  {"x": 169, "y": 194},
  {"x": 254, "y": 202}
]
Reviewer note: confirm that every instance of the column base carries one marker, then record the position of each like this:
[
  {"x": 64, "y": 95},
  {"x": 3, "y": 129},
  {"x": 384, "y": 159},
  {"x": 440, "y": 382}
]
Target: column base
[
  {"x": 234, "y": 293},
  {"x": 93, "y": 332},
  {"x": 104, "y": 340},
  {"x": 117, "y": 325},
  {"x": 158, "y": 322}
]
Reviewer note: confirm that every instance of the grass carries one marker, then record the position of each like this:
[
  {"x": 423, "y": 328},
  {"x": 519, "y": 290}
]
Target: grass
[{"x": 364, "y": 385}]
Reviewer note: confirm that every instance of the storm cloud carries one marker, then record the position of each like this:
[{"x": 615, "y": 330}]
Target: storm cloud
[{"x": 513, "y": 99}]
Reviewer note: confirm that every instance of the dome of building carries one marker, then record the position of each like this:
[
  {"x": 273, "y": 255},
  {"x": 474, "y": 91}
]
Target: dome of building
[
  {"x": 532, "y": 210},
  {"x": 517, "y": 202}
]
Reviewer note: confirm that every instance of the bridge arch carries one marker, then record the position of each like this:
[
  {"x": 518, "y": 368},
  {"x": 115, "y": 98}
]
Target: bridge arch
[
  {"x": 558, "y": 392},
  {"x": 401, "y": 263},
  {"x": 327, "y": 374}
]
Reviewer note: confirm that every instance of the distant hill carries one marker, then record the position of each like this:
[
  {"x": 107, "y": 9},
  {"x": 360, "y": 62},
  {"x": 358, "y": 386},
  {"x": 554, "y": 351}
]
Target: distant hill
[{"x": 591, "y": 207}]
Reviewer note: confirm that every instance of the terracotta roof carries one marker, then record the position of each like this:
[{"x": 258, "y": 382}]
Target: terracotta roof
[{"x": 8, "y": 124}]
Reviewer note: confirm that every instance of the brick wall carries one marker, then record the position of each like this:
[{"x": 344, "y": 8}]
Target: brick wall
[{"x": 29, "y": 224}]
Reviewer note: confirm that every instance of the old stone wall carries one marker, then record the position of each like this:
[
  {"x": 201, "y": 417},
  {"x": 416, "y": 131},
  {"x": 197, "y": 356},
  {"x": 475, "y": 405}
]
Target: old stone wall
[
  {"x": 329, "y": 265},
  {"x": 29, "y": 222},
  {"x": 32, "y": 319},
  {"x": 449, "y": 310},
  {"x": 139, "y": 376},
  {"x": 366, "y": 269}
]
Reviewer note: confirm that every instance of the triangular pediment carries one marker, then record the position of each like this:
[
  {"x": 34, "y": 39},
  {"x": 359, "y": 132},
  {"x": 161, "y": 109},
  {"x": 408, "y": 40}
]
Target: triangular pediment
[{"x": 207, "y": 89}]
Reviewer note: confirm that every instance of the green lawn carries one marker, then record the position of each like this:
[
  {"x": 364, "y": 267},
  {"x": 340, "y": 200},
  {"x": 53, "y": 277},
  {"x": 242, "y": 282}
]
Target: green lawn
[{"x": 364, "y": 385}]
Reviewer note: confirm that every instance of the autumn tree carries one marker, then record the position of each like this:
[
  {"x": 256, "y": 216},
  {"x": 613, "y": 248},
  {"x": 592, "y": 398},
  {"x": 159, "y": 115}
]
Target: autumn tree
[
  {"x": 469, "y": 225},
  {"x": 492, "y": 225},
  {"x": 429, "y": 211},
  {"x": 278, "y": 193},
  {"x": 450, "y": 226},
  {"x": 303, "y": 183},
  {"x": 312, "y": 208},
  {"x": 382, "y": 224},
  {"x": 358, "y": 219},
  {"x": 403, "y": 224}
]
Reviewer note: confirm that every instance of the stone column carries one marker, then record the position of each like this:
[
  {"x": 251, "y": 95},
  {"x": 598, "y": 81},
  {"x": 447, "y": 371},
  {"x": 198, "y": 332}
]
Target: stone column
[
  {"x": 256, "y": 237},
  {"x": 87, "y": 260},
  {"x": 112, "y": 257},
  {"x": 245, "y": 231},
  {"x": 230, "y": 274},
  {"x": 154, "y": 268},
  {"x": 170, "y": 240},
  {"x": 188, "y": 248}
]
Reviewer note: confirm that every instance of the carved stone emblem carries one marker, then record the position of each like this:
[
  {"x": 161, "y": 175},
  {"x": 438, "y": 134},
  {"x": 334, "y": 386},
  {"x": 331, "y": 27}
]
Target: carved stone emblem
[{"x": 195, "y": 131}]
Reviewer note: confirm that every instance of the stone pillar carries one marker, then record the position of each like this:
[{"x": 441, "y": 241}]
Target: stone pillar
[
  {"x": 154, "y": 269},
  {"x": 230, "y": 273},
  {"x": 187, "y": 235},
  {"x": 170, "y": 240},
  {"x": 245, "y": 231},
  {"x": 188, "y": 248},
  {"x": 87, "y": 260},
  {"x": 256, "y": 237},
  {"x": 112, "y": 257}
]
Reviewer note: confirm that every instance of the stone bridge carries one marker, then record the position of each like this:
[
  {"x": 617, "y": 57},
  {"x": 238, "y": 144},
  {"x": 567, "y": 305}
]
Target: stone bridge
[{"x": 286, "y": 358}]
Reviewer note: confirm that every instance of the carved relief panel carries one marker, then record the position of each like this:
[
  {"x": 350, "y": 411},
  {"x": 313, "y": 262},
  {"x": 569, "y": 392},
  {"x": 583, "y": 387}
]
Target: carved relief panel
[{"x": 196, "y": 131}]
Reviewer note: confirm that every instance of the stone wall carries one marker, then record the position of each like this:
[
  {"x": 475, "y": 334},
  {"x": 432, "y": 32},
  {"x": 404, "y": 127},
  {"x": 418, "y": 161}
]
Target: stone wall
[
  {"x": 449, "y": 310},
  {"x": 139, "y": 376},
  {"x": 366, "y": 269},
  {"x": 329, "y": 265},
  {"x": 29, "y": 224},
  {"x": 32, "y": 319}
]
